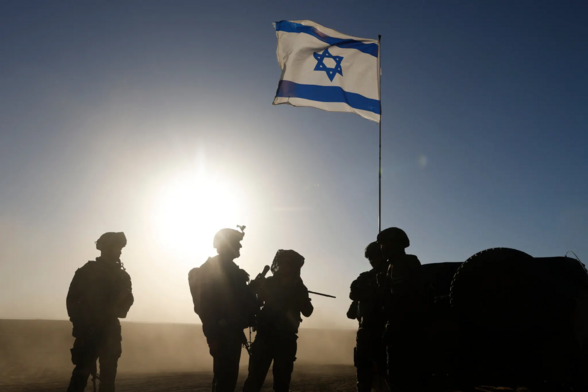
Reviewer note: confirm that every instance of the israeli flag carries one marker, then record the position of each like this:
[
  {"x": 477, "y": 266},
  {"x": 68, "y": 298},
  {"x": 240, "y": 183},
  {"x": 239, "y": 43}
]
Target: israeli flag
[{"x": 327, "y": 70}]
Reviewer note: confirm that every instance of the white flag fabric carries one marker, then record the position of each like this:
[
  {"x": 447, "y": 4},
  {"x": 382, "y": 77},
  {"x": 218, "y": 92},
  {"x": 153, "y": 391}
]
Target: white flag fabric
[{"x": 325, "y": 69}]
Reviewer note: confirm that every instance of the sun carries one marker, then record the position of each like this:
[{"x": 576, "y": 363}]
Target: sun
[{"x": 191, "y": 210}]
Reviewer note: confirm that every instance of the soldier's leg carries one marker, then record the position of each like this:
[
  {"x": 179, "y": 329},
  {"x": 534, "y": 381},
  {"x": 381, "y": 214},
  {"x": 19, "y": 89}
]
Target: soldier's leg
[
  {"x": 84, "y": 356},
  {"x": 285, "y": 355},
  {"x": 259, "y": 363},
  {"x": 393, "y": 368},
  {"x": 403, "y": 369},
  {"x": 226, "y": 365},
  {"x": 397, "y": 352},
  {"x": 378, "y": 355},
  {"x": 363, "y": 361},
  {"x": 109, "y": 353}
]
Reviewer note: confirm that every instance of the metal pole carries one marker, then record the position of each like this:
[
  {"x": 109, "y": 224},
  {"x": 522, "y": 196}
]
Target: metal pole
[{"x": 380, "y": 147}]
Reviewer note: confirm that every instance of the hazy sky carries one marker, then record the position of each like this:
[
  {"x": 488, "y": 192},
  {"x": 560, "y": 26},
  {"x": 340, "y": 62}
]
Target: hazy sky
[{"x": 155, "y": 118}]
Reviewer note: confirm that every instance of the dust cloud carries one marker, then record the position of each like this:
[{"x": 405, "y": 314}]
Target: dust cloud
[{"x": 37, "y": 350}]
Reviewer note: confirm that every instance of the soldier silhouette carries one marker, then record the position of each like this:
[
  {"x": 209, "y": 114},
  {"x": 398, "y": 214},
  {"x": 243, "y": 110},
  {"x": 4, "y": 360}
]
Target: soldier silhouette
[
  {"x": 366, "y": 294},
  {"x": 284, "y": 298},
  {"x": 226, "y": 305},
  {"x": 405, "y": 299},
  {"x": 100, "y": 293}
]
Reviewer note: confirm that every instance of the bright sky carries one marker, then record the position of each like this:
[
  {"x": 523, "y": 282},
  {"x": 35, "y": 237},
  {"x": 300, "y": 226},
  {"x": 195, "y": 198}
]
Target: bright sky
[{"x": 155, "y": 118}]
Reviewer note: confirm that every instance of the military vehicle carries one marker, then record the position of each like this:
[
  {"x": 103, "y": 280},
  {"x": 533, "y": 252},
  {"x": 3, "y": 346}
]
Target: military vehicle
[{"x": 504, "y": 318}]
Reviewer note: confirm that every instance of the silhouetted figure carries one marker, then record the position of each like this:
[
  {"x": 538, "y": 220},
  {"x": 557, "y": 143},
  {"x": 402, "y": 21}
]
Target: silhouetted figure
[
  {"x": 405, "y": 299},
  {"x": 284, "y": 297},
  {"x": 366, "y": 307},
  {"x": 226, "y": 305},
  {"x": 100, "y": 293}
]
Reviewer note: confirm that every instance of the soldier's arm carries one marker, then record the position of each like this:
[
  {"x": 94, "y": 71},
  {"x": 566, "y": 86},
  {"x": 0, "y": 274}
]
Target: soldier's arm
[
  {"x": 356, "y": 290},
  {"x": 360, "y": 289},
  {"x": 209, "y": 307},
  {"x": 306, "y": 307},
  {"x": 126, "y": 298},
  {"x": 352, "y": 311},
  {"x": 210, "y": 312},
  {"x": 239, "y": 312},
  {"x": 194, "y": 284},
  {"x": 252, "y": 305},
  {"x": 74, "y": 298}
]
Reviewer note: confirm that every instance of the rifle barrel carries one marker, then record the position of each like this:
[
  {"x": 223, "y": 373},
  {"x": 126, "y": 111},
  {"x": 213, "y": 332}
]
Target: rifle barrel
[{"x": 324, "y": 295}]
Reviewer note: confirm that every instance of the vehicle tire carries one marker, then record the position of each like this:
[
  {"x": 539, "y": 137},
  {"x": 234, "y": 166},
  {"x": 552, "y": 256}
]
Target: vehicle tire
[
  {"x": 496, "y": 288},
  {"x": 503, "y": 300}
]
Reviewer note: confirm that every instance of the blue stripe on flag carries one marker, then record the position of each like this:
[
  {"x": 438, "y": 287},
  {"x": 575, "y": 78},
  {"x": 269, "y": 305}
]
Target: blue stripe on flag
[
  {"x": 290, "y": 27},
  {"x": 313, "y": 92}
]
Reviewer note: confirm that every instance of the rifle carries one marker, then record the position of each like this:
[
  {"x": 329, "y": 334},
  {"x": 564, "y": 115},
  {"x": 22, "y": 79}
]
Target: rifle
[
  {"x": 240, "y": 335},
  {"x": 258, "y": 279},
  {"x": 255, "y": 286},
  {"x": 78, "y": 352},
  {"x": 263, "y": 273},
  {"x": 324, "y": 295},
  {"x": 245, "y": 342},
  {"x": 267, "y": 268},
  {"x": 95, "y": 376}
]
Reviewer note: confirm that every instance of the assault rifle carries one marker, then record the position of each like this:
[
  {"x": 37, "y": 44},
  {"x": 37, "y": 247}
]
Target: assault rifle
[
  {"x": 324, "y": 295},
  {"x": 95, "y": 376},
  {"x": 267, "y": 268},
  {"x": 245, "y": 343}
]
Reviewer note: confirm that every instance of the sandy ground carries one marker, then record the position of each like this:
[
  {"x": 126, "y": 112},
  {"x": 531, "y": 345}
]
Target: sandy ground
[
  {"x": 340, "y": 378},
  {"x": 315, "y": 378},
  {"x": 35, "y": 357}
]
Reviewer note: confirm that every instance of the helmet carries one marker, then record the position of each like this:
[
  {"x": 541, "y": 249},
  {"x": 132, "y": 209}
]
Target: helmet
[
  {"x": 227, "y": 237},
  {"x": 372, "y": 250},
  {"x": 394, "y": 236},
  {"x": 111, "y": 240},
  {"x": 286, "y": 257}
]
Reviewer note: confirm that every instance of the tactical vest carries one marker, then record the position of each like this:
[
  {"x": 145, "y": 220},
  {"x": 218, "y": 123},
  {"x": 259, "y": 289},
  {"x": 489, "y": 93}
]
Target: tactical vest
[
  {"x": 220, "y": 292},
  {"x": 99, "y": 291}
]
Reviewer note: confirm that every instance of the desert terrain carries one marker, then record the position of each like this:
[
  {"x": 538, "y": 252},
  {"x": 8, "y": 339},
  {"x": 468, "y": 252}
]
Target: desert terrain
[{"x": 34, "y": 357}]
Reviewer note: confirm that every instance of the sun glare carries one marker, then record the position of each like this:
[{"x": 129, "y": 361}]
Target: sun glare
[{"x": 192, "y": 210}]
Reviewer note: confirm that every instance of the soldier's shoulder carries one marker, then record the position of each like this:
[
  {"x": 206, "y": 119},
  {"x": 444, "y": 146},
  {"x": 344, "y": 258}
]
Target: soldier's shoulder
[
  {"x": 302, "y": 285},
  {"x": 206, "y": 266},
  {"x": 89, "y": 272},
  {"x": 362, "y": 279},
  {"x": 243, "y": 274},
  {"x": 366, "y": 275},
  {"x": 412, "y": 259},
  {"x": 89, "y": 267},
  {"x": 193, "y": 273}
]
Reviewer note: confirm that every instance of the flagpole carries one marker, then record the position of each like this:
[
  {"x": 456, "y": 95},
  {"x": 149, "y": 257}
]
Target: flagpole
[{"x": 380, "y": 147}]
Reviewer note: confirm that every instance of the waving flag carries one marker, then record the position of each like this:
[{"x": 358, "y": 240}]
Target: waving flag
[{"x": 327, "y": 70}]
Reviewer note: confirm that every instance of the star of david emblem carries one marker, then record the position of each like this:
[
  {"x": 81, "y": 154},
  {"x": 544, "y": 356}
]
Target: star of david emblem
[{"x": 320, "y": 65}]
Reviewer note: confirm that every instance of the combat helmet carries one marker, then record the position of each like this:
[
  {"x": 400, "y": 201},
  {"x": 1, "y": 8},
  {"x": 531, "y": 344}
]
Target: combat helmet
[
  {"x": 287, "y": 256},
  {"x": 372, "y": 250},
  {"x": 227, "y": 237},
  {"x": 111, "y": 240},
  {"x": 394, "y": 236}
]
